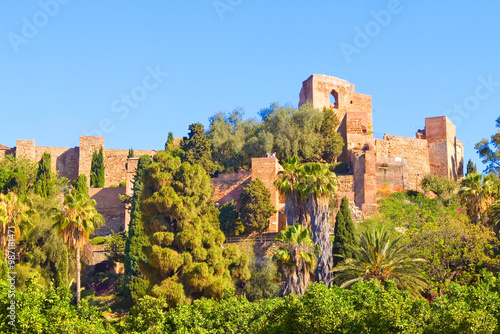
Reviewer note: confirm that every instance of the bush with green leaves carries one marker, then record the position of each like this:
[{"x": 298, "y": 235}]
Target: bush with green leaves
[
  {"x": 229, "y": 220},
  {"x": 47, "y": 310},
  {"x": 367, "y": 307}
]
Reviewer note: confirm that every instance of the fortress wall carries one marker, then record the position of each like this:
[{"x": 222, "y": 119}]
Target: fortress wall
[
  {"x": 111, "y": 207},
  {"x": 414, "y": 152},
  {"x": 266, "y": 170},
  {"x": 25, "y": 148},
  {"x": 116, "y": 164},
  {"x": 88, "y": 145},
  {"x": 64, "y": 160},
  {"x": 228, "y": 187}
]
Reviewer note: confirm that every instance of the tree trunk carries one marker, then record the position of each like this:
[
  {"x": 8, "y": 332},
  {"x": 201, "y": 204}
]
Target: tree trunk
[
  {"x": 318, "y": 210},
  {"x": 78, "y": 269},
  {"x": 291, "y": 208},
  {"x": 297, "y": 278}
]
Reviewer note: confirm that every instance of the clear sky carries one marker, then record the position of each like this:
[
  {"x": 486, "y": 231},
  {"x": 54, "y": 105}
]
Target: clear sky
[{"x": 136, "y": 70}]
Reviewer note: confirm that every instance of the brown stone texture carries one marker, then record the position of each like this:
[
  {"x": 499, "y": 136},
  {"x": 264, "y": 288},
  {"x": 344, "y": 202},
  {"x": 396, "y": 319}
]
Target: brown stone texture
[
  {"x": 266, "y": 170},
  {"x": 408, "y": 157},
  {"x": 64, "y": 160},
  {"x": 116, "y": 164},
  {"x": 228, "y": 187},
  {"x": 25, "y": 148},
  {"x": 111, "y": 207},
  {"x": 88, "y": 145}
]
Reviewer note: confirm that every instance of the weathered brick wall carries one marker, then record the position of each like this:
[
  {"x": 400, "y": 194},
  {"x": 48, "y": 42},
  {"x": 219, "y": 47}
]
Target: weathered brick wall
[
  {"x": 111, "y": 207},
  {"x": 266, "y": 170},
  {"x": 64, "y": 160},
  {"x": 25, "y": 148},
  {"x": 228, "y": 187},
  {"x": 115, "y": 162},
  {"x": 410, "y": 150},
  {"x": 88, "y": 145}
]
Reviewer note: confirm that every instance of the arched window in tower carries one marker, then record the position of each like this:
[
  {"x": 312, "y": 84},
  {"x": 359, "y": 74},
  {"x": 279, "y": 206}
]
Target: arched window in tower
[{"x": 334, "y": 100}]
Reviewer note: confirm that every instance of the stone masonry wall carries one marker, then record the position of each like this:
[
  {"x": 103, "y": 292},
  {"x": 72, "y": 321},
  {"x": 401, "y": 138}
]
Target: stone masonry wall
[
  {"x": 413, "y": 151},
  {"x": 266, "y": 169},
  {"x": 111, "y": 207},
  {"x": 25, "y": 148},
  {"x": 88, "y": 145},
  {"x": 228, "y": 187},
  {"x": 64, "y": 160},
  {"x": 116, "y": 164}
]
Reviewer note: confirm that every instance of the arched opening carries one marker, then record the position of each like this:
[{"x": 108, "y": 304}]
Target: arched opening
[{"x": 334, "y": 100}]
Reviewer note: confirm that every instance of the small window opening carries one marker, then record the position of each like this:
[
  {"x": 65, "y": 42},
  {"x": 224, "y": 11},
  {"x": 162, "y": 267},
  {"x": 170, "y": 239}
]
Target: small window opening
[{"x": 334, "y": 100}]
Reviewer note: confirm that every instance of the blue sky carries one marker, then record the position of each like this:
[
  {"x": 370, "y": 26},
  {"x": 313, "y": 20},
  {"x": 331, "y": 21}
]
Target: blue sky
[{"x": 67, "y": 67}]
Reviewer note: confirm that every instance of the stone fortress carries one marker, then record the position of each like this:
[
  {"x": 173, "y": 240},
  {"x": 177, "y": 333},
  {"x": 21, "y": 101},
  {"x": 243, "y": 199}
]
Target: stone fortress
[{"x": 392, "y": 162}]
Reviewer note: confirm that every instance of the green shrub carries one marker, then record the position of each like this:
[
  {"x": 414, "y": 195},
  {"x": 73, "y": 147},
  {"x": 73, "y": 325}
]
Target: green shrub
[
  {"x": 122, "y": 184},
  {"x": 99, "y": 241}
]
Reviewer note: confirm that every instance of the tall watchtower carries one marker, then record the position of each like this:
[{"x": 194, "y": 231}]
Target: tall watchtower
[{"x": 354, "y": 110}]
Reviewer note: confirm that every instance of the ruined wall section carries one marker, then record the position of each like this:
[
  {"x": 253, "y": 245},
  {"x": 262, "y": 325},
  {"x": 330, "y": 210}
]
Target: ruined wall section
[
  {"x": 266, "y": 170},
  {"x": 25, "y": 148},
  {"x": 63, "y": 160},
  {"x": 111, "y": 207},
  {"x": 115, "y": 162},
  {"x": 228, "y": 187},
  {"x": 88, "y": 145},
  {"x": 445, "y": 153},
  {"x": 410, "y": 153}
]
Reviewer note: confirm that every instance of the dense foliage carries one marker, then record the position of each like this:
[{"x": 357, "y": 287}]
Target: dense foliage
[
  {"x": 366, "y": 307},
  {"x": 45, "y": 178},
  {"x": 197, "y": 149},
  {"x": 304, "y": 132},
  {"x": 256, "y": 207},
  {"x": 185, "y": 260},
  {"x": 229, "y": 219}
]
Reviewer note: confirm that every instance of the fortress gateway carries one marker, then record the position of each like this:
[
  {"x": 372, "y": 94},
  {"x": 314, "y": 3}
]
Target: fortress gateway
[{"x": 392, "y": 162}]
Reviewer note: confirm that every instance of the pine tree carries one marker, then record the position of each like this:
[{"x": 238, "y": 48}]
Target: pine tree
[
  {"x": 136, "y": 284},
  {"x": 344, "y": 232},
  {"x": 197, "y": 149},
  {"x": 186, "y": 259},
  {"x": 256, "y": 207},
  {"x": 97, "y": 170},
  {"x": 45, "y": 179},
  {"x": 471, "y": 168},
  {"x": 80, "y": 185}
]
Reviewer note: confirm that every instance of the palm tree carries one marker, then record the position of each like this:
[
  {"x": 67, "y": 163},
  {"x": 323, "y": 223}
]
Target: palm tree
[
  {"x": 289, "y": 184},
  {"x": 75, "y": 223},
  {"x": 14, "y": 212},
  {"x": 319, "y": 184},
  {"x": 475, "y": 195},
  {"x": 379, "y": 255},
  {"x": 296, "y": 259}
]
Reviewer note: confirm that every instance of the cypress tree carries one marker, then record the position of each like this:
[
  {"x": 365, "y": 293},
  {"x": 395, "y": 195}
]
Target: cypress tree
[
  {"x": 130, "y": 153},
  {"x": 136, "y": 284},
  {"x": 97, "y": 170},
  {"x": 169, "y": 145},
  {"x": 344, "y": 232},
  {"x": 186, "y": 259},
  {"x": 471, "y": 168},
  {"x": 62, "y": 269},
  {"x": 80, "y": 185},
  {"x": 44, "y": 182}
]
